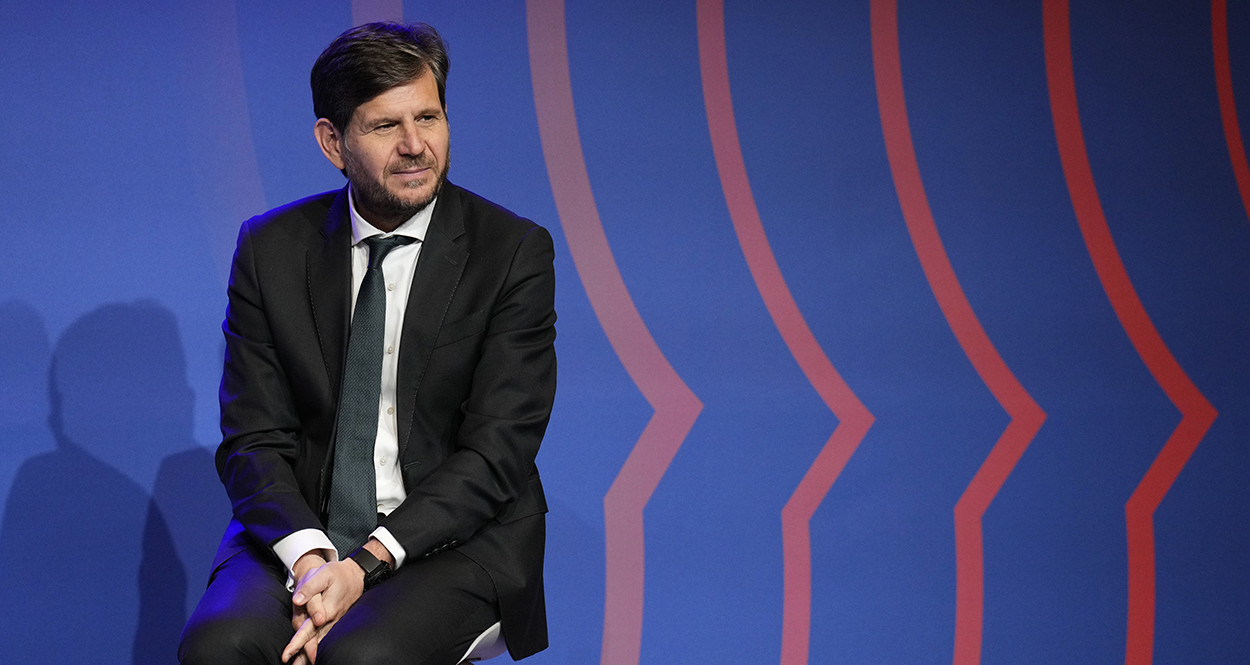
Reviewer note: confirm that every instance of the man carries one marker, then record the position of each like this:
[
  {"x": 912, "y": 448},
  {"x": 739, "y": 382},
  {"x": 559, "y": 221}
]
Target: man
[{"x": 442, "y": 462}]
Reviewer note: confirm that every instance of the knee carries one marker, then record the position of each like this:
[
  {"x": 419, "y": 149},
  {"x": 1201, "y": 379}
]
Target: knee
[
  {"x": 226, "y": 641},
  {"x": 355, "y": 649}
]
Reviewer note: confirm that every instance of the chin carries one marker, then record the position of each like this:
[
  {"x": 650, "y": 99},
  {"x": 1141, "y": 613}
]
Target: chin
[
  {"x": 416, "y": 202},
  {"x": 415, "y": 193}
]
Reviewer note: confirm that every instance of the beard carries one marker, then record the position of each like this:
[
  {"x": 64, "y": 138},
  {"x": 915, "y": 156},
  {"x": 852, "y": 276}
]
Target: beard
[{"x": 373, "y": 196}]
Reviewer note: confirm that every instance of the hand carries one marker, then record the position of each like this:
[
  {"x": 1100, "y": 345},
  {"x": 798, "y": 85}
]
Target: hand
[
  {"x": 309, "y": 637},
  {"x": 310, "y": 561},
  {"x": 328, "y": 592},
  {"x": 307, "y": 641},
  {"x": 304, "y": 567},
  {"x": 322, "y": 596}
]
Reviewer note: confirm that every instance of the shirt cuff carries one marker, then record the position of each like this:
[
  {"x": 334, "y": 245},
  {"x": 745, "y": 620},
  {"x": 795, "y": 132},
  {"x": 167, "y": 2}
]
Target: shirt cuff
[
  {"x": 384, "y": 536},
  {"x": 296, "y": 545}
]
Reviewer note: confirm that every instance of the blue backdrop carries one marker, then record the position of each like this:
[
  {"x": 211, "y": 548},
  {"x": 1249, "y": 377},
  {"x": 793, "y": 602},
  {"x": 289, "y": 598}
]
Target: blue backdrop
[{"x": 890, "y": 331}]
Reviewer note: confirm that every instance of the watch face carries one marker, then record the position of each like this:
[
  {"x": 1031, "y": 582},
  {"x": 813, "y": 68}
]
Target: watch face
[
  {"x": 365, "y": 560},
  {"x": 375, "y": 569}
]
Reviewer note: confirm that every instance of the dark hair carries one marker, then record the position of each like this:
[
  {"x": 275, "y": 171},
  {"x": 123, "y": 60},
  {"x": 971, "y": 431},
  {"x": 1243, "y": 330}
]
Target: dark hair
[{"x": 370, "y": 59}]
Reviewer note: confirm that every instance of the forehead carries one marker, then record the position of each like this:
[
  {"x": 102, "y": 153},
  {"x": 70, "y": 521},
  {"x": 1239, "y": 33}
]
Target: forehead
[{"x": 420, "y": 95}]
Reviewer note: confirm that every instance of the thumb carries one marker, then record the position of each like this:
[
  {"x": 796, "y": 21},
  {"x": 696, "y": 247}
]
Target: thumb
[{"x": 310, "y": 587}]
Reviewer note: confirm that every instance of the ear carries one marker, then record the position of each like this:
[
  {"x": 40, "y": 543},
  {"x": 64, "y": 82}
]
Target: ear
[{"x": 331, "y": 142}]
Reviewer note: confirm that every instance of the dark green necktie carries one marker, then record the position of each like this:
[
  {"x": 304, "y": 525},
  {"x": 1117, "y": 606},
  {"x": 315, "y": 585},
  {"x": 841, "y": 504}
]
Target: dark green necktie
[{"x": 353, "y": 489}]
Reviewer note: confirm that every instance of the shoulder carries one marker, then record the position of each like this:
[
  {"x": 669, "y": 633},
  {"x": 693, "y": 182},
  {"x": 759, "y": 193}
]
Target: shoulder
[
  {"x": 487, "y": 221},
  {"x": 307, "y": 216}
]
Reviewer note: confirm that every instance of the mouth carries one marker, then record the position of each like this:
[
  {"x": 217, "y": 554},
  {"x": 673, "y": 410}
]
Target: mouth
[
  {"x": 414, "y": 176},
  {"x": 413, "y": 170}
]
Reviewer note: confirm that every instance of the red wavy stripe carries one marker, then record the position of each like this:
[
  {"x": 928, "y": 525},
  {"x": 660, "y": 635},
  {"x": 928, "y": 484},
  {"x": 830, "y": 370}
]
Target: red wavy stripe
[
  {"x": 676, "y": 407},
  {"x": 854, "y": 419},
  {"x": 1197, "y": 414},
  {"x": 1228, "y": 107},
  {"x": 1026, "y": 416}
]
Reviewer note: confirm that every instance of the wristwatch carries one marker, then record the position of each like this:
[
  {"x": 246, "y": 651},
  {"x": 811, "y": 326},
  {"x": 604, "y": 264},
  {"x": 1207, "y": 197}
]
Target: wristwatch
[{"x": 375, "y": 569}]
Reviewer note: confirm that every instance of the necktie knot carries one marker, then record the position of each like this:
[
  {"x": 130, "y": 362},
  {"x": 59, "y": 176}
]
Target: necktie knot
[{"x": 380, "y": 246}]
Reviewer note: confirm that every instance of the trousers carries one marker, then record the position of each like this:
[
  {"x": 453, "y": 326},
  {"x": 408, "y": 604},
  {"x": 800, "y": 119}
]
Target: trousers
[{"x": 427, "y": 613}]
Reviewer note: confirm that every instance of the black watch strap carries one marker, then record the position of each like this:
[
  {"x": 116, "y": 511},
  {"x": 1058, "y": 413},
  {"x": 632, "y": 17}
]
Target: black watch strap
[{"x": 375, "y": 569}]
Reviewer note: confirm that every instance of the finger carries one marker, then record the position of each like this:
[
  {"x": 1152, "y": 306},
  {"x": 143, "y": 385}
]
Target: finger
[
  {"x": 321, "y": 632},
  {"x": 298, "y": 616},
  {"x": 316, "y": 609},
  {"x": 301, "y": 637},
  {"x": 310, "y": 649},
  {"x": 311, "y": 586}
]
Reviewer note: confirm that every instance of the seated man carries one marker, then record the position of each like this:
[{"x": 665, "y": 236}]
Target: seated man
[{"x": 388, "y": 378}]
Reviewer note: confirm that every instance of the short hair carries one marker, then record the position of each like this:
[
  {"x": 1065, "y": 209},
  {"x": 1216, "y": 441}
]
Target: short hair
[{"x": 370, "y": 59}]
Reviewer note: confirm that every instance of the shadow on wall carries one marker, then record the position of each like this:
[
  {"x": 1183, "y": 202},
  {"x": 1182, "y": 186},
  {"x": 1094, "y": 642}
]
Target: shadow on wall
[
  {"x": 24, "y": 352},
  {"x": 91, "y": 567}
]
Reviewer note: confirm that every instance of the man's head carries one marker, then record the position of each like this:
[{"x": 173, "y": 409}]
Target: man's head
[
  {"x": 369, "y": 59},
  {"x": 379, "y": 92}
]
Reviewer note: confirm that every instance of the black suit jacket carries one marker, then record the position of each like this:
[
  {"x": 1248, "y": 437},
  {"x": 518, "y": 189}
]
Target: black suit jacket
[{"x": 477, "y": 374}]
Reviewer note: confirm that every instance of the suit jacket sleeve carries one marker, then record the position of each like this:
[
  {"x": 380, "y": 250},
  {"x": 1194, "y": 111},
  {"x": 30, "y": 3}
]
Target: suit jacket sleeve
[{"x": 262, "y": 433}]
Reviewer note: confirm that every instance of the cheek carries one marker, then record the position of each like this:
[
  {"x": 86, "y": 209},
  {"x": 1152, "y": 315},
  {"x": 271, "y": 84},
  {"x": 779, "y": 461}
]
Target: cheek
[
  {"x": 378, "y": 162},
  {"x": 371, "y": 157}
]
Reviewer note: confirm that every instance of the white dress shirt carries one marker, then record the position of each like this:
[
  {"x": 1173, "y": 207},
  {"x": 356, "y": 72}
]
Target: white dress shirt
[{"x": 397, "y": 270}]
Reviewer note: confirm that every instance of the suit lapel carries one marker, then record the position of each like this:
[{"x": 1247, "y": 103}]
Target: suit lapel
[
  {"x": 439, "y": 268},
  {"x": 329, "y": 288}
]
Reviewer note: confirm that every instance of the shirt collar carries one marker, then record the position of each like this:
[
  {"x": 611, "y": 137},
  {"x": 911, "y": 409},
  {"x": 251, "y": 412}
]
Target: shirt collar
[{"x": 414, "y": 227}]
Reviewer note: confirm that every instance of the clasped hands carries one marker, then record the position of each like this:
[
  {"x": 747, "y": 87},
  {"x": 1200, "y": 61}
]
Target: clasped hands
[{"x": 324, "y": 591}]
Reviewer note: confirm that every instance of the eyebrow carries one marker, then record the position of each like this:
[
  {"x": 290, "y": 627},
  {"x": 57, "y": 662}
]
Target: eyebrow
[{"x": 389, "y": 118}]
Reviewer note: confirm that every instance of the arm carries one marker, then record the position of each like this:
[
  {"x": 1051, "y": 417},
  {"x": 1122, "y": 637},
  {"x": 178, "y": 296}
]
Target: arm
[
  {"x": 260, "y": 422},
  {"x": 503, "y": 407}
]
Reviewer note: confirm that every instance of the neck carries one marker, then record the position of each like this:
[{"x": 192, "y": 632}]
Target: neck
[
  {"x": 382, "y": 222},
  {"x": 385, "y": 226}
]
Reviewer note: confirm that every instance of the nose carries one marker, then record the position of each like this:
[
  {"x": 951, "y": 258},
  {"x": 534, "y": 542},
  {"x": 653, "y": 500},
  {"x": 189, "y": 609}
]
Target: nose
[{"x": 411, "y": 143}]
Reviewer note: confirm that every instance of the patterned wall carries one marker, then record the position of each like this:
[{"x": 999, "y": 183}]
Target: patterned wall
[{"x": 890, "y": 331}]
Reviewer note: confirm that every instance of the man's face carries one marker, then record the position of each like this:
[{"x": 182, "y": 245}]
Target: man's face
[{"x": 394, "y": 150}]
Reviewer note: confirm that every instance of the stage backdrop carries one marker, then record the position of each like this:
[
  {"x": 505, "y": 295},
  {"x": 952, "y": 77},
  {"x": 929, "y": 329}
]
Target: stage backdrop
[{"x": 891, "y": 331}]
